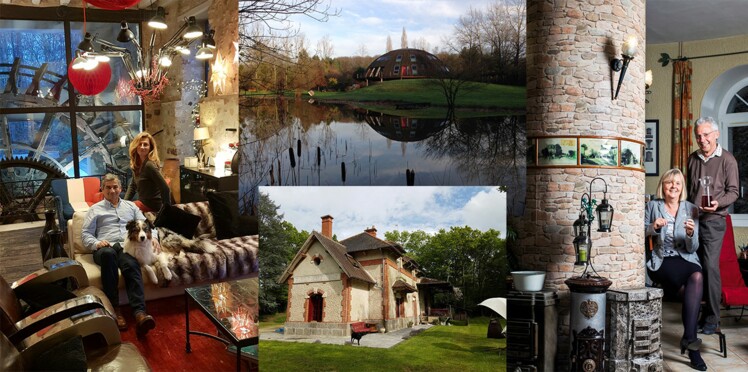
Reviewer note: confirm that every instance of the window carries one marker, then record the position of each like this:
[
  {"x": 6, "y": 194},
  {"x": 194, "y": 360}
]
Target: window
[
  {"x": 399, "y": 58},
  {"x": 317, "y": 260},
  {"x": 412, "y": 57},
  {"x": 414, "y": 69},
  {"x": 81, "y": 135},
  {"x": 396, "y": 70}
]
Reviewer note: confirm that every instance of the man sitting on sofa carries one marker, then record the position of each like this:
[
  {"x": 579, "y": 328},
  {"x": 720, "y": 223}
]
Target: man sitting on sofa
[{"x": 103, "y": 234}]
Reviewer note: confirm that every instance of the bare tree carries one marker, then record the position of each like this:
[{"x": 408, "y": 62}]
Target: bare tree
[
  {"x": 404, "y": 40},
  {"x": 389, "y": 43},
  {"x": 325, "y": 49},
  {"x": 421, "y": 43},
  {"x": 362, "y": 51}
]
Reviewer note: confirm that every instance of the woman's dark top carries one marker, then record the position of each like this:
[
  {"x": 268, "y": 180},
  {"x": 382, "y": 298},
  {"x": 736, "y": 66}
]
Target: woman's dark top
[{"x": 151, "y": 187}]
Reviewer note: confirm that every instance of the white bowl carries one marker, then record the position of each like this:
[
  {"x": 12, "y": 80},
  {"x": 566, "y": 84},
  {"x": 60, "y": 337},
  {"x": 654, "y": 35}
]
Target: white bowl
[{"x": 528, "y": 281}]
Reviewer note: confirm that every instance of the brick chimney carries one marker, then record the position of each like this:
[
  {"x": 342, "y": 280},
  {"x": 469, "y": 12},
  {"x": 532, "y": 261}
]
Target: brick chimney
[
  {"x": 371, "y": 231},
  {"x": 327, "y": 226}
]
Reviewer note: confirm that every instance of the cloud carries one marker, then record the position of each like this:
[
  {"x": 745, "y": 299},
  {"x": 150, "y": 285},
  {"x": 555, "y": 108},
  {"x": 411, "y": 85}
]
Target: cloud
[{"x": 390, "y": 208}]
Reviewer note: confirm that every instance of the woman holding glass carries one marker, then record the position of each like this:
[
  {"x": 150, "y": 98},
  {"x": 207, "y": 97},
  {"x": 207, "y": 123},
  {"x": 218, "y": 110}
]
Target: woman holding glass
[{"x": 672, "y": 222}]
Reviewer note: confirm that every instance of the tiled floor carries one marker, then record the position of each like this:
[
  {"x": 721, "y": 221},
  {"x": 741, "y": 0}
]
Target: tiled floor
[{"x": 736, "y": 334}]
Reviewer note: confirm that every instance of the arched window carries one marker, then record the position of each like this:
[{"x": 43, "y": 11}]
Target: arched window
[{"x": 726, "y": 99}]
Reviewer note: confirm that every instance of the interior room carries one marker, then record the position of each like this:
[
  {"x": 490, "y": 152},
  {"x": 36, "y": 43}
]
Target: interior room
[
  {"x": 601, "y": 94},
  {"x": 81, "y": 80}
]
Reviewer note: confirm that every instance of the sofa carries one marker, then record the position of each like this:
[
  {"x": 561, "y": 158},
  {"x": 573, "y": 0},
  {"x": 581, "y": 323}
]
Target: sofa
[{"x": 235, "y": 258}]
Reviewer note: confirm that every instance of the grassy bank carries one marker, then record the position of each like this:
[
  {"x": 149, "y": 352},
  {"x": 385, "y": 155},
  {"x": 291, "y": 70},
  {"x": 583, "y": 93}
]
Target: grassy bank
[
  {"x": 474, "y": 99},
  {"x": 440, "y": 348}
]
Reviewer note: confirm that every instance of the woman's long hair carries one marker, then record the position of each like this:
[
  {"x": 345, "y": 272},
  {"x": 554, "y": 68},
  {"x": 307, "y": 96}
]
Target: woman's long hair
[{"x": 135, "y": 163}]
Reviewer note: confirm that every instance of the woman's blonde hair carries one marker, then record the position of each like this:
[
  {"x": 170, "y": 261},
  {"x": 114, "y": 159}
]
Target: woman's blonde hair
[
  {"x": 152, "y": 155},
  {"x": 669, "y": 175}
]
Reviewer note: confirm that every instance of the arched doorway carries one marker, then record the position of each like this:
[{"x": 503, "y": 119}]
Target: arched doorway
[{"x": 314, "y": 308}]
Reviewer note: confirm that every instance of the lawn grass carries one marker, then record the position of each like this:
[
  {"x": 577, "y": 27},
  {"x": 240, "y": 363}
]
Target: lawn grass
[
  {"x": 272, "y": 321},
  {"x": 474, "y": 99},
  {"x": 440, "y": 348}
]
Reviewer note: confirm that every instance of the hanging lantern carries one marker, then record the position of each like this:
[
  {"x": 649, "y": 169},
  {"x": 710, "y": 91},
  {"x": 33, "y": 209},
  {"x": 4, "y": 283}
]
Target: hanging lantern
[
  {"x": 604, "y": 215},
  {"x": 112, "y": 4},
  {"x": 90, "y": 82},
  {"x": 582, "y": 244}
]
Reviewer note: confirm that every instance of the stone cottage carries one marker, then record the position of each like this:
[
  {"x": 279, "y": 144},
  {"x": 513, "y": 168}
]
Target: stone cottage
[{"x": 359, "y": 279}]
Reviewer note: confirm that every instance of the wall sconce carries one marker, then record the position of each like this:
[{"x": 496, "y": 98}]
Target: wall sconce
[
  {"x": 647, "y": 84},
  {"x": 628, "y": 52},
  {"x": 583, "y": 239}
]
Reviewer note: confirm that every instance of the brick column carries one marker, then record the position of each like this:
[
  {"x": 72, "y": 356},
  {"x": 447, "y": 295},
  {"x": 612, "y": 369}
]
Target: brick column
[{"x": 569, "y": 93}]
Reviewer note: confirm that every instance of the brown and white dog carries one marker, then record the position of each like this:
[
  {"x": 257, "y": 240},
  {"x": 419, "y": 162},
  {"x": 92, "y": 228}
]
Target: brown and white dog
[{"x": 144, "y": 246}]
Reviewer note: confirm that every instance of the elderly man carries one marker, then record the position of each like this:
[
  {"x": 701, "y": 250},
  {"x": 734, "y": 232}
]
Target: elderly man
[
  {"x": 103, "y": 232},
  {"x": 717, "y": 163}
]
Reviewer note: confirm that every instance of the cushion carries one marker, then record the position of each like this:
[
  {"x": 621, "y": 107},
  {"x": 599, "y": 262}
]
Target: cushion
[
  {"x": 42, "y": 295},
  {"x": 64, "y": 356},
  {"x": 225, "y": 209},
  {"x": 228, "y": 223},
  {"x": 76, "y": 194},
  {"x": 179, "y": 221}
]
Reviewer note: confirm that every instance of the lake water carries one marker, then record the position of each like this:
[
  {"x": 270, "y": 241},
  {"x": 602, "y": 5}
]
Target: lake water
[{"x": 340, "y": 145}]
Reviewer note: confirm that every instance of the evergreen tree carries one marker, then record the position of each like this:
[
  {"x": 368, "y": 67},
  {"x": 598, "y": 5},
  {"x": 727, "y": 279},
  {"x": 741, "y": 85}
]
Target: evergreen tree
[
  {"x": 389, "y": 43},
  {"x": 404, "y": 40}
]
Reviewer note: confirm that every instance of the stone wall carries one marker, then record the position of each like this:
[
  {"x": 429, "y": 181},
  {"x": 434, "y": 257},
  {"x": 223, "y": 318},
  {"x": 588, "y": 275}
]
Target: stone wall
[{"x": 569, "y": 92}]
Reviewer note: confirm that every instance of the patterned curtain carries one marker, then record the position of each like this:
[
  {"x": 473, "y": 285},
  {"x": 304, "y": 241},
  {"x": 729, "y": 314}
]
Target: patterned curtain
[{"x": 682, "y": 115}]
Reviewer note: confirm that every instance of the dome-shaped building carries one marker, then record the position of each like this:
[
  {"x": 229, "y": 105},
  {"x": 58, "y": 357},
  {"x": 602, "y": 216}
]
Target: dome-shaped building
[{"x": 405, "y": 63}]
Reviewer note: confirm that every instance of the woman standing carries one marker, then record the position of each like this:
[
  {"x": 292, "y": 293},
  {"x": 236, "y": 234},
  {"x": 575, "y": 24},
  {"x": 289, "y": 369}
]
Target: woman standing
[
  {"x": 673, "y": 223},
  {"x": 147, "y": 181}
]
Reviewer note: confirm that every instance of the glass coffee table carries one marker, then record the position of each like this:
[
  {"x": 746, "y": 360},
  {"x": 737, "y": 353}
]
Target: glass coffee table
[{"x": 232, "y": 307}]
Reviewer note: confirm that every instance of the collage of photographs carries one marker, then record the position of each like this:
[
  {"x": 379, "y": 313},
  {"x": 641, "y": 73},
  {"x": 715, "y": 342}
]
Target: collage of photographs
[{"x": 405, "y": 185}]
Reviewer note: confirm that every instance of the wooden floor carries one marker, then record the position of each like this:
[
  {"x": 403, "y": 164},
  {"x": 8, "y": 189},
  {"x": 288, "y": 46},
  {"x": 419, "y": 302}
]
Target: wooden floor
[{"x": 20, "y": 254}]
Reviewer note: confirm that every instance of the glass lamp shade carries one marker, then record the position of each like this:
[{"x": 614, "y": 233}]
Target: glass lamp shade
[
  {"x": 604, "y": 216},
  {"x": 582, "y": 245},
  {"x": 629, "y": 46},
  {"x": 204, "y": 53}
]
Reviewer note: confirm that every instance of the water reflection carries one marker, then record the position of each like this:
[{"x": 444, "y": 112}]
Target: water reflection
[{"x": 297, "y": 143}]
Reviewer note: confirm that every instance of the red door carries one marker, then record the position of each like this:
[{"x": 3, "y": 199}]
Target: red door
[{"x": 314, "y": 310}]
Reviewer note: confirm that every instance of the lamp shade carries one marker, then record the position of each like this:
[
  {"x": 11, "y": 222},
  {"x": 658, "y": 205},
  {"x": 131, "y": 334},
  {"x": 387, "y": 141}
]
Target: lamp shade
[
  {"x": 201, "y": 133},
  {"x": 112, "y": 4},
  {"x": 90, "y": 82},
  {"x": 630, "y": 45}
]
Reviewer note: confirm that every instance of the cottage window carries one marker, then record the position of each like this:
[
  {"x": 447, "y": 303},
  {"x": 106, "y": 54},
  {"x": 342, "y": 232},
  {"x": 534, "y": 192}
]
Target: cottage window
[
  {"x": 396, "y": 69},
  {"x": 399, "y": 58},
  {"x": 412, "y": 57}
]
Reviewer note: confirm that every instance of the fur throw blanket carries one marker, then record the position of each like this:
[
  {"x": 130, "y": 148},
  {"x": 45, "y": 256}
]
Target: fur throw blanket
[{"x": 229, "y": 258}]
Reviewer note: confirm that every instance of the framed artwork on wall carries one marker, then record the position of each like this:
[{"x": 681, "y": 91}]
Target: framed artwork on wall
[
  {"x": 631, "y": 154},
  {"x": 651, "y": 153},
  {"x": 557, "y": 151},
  {"x": 600, "y": 152}
]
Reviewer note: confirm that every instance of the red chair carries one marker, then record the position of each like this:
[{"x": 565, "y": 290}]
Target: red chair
[{"x": 734, "y": 291}]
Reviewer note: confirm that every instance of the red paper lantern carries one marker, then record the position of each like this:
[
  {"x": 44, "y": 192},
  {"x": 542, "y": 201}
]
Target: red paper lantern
[
  {"x": 90, "y": 82},
  {"x": 112, "y": 4}
]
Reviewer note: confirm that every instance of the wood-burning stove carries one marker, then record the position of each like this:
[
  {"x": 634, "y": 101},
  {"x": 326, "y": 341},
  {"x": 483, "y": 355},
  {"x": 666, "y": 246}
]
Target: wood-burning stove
[{"x": 532, "y": 321}]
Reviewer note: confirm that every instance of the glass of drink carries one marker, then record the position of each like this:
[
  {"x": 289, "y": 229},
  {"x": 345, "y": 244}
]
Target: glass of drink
[{"x": 706, "y": 197}]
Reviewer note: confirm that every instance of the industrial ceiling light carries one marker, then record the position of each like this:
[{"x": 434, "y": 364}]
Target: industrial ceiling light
[{"x": 158, "y": 21}]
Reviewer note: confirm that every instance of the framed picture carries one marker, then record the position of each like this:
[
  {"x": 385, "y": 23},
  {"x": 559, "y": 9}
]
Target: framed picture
[
  {"x": 631, "y": 154},
  {"x": 651, "y": 154},
  {"x": 600, "y": 152},
  {"x": 557, "y": 151}
]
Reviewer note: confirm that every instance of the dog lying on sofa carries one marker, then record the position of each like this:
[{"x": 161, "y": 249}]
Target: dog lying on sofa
[{"x": 232, "y": 257}]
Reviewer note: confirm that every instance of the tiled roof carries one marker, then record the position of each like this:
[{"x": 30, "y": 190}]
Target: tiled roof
[
  {"x": 350, "y": 266},
  {"x": 365, "y": 242}
]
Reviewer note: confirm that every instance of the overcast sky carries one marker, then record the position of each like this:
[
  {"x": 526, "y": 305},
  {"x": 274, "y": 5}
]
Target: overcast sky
[
  {"x": 354, "y": 208},
  {"x": 369, "y": 22}
]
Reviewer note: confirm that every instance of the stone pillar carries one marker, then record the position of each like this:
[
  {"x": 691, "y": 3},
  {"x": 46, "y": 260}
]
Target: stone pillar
[{"x": 570, "y": 86}]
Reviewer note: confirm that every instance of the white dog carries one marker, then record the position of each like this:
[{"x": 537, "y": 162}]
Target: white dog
[{"x": 141, "y": 244}]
